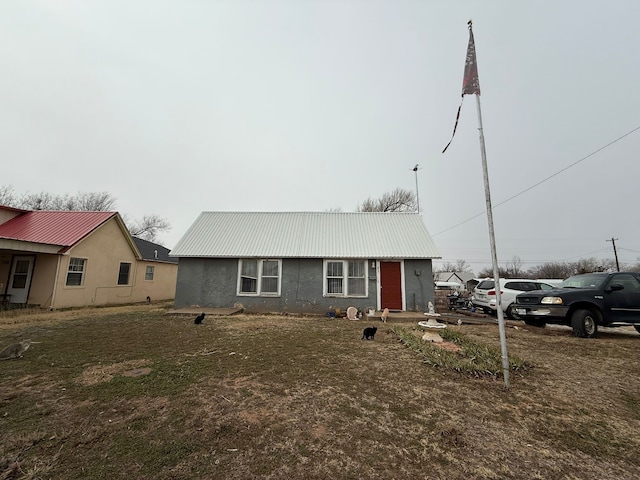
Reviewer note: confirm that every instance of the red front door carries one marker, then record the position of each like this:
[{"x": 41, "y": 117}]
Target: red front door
[{"x": 390, "y": 286}]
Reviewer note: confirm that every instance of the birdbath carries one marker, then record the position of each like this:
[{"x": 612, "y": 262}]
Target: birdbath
[{"x": 432, "y": 325}]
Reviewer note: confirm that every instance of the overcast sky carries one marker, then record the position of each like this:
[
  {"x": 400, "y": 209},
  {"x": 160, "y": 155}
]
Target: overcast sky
[{"x": 177, "y": 107}]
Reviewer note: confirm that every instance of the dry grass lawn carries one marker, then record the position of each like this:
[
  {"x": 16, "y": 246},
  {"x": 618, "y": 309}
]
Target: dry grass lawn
[{"x": 131, "y": 392}]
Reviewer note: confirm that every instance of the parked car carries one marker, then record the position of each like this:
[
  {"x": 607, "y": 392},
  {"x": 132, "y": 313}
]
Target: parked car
[
  {"x": 484, "y": 295},
  {"x": 584, "y": 302}
]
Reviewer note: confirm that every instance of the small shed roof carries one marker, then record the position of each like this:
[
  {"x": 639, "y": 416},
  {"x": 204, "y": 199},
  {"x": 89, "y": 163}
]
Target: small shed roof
[
  {"x": 454, "y": 276},
  {"x": 307, "y": 235}
]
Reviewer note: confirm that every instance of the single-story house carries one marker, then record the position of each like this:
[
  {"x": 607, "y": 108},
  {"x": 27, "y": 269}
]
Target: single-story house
[
  {"x": 57, "y": 259},
  {"x": 306, "y": 262},
  {"x": 465, "y": 279}
]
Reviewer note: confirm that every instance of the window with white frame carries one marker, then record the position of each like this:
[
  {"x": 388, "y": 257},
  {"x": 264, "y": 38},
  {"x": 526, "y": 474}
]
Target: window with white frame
[
  {"x": 345, "y": 278},
  {"x": 335, "y": 280},
  {"x": 75, "y": 273},
  {"x": 148, "y": 273},
  {"x": 259, "y": 277}
]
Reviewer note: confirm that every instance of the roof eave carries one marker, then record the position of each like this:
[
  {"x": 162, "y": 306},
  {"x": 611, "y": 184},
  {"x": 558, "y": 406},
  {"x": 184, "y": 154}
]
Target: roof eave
[{"x": 32, "y": 247}]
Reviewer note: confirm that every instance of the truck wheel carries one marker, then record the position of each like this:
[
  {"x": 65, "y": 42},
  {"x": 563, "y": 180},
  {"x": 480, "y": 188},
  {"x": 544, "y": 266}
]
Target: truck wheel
[
  {"x": 511, "y": 313},
  {"x": 584, "y": 324},
  {"x": 535, "y": 323}
]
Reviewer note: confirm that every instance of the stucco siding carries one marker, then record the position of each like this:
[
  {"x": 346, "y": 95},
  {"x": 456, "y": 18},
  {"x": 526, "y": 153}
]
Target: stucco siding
[
  {"x": 163, "y": 285},
  {"x": 211, "y": 282},
  {"x": 418, "y": 284},
  {"x": 44, "y": 274},
  {"x": 103, "y": 251},
  {"x": 208, "y": 283}
]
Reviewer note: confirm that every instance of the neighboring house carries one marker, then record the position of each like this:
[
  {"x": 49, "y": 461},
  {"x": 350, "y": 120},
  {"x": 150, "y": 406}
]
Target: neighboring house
[
  {"x": 160, "y": 271},
  {"x": 57, "y": 259},
  {"x": 463, "y": 278},
  {"x": 306, "y": 262}
]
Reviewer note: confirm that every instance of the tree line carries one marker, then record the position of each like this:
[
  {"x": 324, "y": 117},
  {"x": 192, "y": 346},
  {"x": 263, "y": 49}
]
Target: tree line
[
  {"x": 149, "y": 226},
  {"x": 557, "y": 270},
  {"x": 398, "y": 200}
]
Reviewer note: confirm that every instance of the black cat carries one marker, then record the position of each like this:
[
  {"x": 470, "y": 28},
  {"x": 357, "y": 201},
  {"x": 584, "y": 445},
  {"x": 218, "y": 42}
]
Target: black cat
[
  {"x": 199, "y": 319},
  {"x": 369, "y": 332}
]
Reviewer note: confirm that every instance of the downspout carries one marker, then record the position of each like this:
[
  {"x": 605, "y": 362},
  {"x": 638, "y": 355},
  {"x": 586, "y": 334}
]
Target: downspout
[{"x": 55, "y": 284}]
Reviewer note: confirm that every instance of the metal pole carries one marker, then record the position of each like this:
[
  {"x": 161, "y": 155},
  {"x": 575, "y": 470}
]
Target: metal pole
[
  {"x": 494, "y": 255},
  {"x": 415, "y": 169}
]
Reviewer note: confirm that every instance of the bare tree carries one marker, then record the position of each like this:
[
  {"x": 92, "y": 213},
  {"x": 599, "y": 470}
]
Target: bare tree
[
  {"x": 7, "y": 197},
  {"x": 462, "y": 266},
  {"x": 95, "y": 202},
  {"x": 399, "y": 200},
  {"x": 459, "y": 265},
  {"x": 588, "y": 265},
  {"x": 83, "y": 201},
  {"x": 446, "y": 267},
  {"x": 514, "y": 267},
  {"x": 36, "y": 201},
  {"x": 552, "y": 270},
  {"x": 488, "y": 273},
  {"x": 148, "y": 227},
  {"x": 566, "y": 269}
]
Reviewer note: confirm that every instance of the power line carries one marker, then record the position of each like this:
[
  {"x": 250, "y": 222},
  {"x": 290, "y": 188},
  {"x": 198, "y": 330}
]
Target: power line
[
  {"x": 543, "y": 180},
  {"x": 628, "y": 250}
]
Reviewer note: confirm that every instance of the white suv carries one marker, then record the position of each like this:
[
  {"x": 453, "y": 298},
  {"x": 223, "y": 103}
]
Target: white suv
[{"x": 484, "y": 295}]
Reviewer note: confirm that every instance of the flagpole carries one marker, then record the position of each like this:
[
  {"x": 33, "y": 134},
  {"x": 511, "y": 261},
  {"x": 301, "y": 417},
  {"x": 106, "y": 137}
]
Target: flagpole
[
  {"x": 471, "y": 86},
  {"x": 494, "y": 255}
]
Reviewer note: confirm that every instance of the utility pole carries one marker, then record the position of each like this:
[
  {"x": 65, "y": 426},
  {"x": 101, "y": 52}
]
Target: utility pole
[
  {"x": 415, "y": 169},
  {"x": 615, "y": 252}
]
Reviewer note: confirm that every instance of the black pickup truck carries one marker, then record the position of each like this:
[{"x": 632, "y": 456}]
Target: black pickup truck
[{"x": 584, "y": 302}]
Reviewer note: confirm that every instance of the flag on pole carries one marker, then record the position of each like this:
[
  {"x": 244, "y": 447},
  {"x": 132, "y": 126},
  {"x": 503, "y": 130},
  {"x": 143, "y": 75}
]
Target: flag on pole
[{"x": 470, "y": 80}]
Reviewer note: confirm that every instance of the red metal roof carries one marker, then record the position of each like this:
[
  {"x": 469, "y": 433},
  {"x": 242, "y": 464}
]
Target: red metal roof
[{"x": 62, "y": 228}]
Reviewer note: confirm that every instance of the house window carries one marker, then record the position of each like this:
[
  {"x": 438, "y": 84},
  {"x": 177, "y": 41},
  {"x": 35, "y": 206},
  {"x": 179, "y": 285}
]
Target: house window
[
  {"x": 75, "y": 273},
  {"x": 345, "y": 278},
  {"x": 123, "y": 274},
  {"x": 334, "y": 278},
  {"x": 270, "y": 269},
  {"x": 248, "y": 276},
  {"x": 148, "y": 273},
  {"x": 259, "y": 277},
  {"x": 356, "y": 279}
]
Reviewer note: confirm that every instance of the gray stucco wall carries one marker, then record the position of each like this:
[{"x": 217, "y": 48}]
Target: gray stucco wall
[
  {"x": 212, "y": 282},
  {"x": 418, "y": 284}
]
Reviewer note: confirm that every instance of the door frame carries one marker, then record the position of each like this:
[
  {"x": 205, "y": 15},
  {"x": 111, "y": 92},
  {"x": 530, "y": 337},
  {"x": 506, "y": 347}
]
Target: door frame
[
  {"x": 12, "y": 271},
  {"x": 379, "y": 284}
]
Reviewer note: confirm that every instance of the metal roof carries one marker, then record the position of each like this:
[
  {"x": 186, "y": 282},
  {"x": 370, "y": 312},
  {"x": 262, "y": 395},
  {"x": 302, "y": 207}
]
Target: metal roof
[
  {"x": 307, "y": 235},
  {"x": 63, "y": 228}
]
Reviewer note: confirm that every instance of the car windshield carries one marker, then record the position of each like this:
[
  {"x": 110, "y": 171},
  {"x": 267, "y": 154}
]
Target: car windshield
[{"x": 584, "y": 281}]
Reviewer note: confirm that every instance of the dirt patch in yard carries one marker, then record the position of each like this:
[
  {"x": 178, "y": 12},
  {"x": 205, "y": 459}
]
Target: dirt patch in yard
[{"x": 104, "y": 373}]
